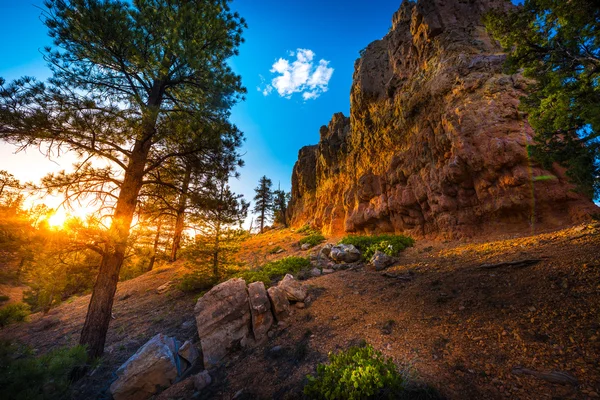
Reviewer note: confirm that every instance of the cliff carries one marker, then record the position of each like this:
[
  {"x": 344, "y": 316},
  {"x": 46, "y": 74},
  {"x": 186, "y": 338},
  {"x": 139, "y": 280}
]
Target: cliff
[{"x": 435, "y": 144}]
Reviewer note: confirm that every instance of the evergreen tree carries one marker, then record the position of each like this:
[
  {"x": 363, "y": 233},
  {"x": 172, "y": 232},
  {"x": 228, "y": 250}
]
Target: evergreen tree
[
  {"x": 263, "y": 202},
  {"x": 129, "y": 79},
  {"x": 280, "y": 203},
  {"x": 556, "y": 43}
]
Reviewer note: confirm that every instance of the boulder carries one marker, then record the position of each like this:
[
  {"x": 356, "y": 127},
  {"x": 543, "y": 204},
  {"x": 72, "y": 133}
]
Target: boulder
[
  {"x": 345, "y": 253},
  {"x": 315, "y": 272},
  {"x": 325, "y": 250},
  {"x": 381, "y": 261},
  {"x": 279, "y": 303},
  {"x": 305, "y": 246},
  {"x": 293, "y": 289},
  {"x": 223, "y": 319},
  {"x": 260, "y": 309},
  {"x": 151, "y": 368}
]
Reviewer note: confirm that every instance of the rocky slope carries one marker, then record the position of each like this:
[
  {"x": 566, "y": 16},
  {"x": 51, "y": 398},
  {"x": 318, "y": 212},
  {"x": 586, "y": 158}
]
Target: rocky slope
[{"x": 435, "y": 144}]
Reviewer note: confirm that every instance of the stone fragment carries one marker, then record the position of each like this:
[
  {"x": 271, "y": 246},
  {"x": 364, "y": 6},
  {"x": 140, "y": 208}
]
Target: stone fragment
[
  {"x": 202, "y": 380},
  {"x": 345, "y": 253},
  {"x": 292, "y": 288},
  {"x": 151, "y": 368},
  {"x": 260, "y": 309},
  {"x": 279, "y": 303},
  {"x": 381, "y": 261}
]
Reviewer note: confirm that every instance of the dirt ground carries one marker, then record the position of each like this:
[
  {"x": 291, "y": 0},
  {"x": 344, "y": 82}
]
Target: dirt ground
[{"x": 445, "y": 313}]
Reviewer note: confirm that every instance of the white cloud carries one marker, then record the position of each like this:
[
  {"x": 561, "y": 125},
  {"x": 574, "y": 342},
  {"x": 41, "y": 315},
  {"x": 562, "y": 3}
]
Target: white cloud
[{"x": 299, "y": 76}]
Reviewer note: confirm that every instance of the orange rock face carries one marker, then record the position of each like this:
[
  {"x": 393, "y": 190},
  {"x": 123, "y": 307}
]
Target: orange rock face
[{"x": 435, "y": 144}]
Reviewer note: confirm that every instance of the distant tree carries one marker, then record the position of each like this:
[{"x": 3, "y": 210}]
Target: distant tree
[
  {"x": 556, "y": 43},
  {"x": 263, "y": 202},
  {"x": 218, "y": 223},
  {"x": 124, "y": 75},
  {"x": 10, "y": 190},
  {"x": 280, "y": 203}
]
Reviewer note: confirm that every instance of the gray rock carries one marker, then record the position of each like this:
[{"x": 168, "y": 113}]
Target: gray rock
[
  {"x": 381, "y": 261},
  {"x": 345, "y": 253},
  {"x": 327, "y": 271},
  {"x": 152, "y": 367},
  {"x": 223, "y": 319},
  {"x": 189, "y": 353},
  {"x": 292, "y": 288},
  {"x": 305, "y": 246},
  {"x": 202, "y": 380},
  {"x": 279, "y": 303},
  {"x": 325, "y": 250},
  {"x": 315, "y": 272},
  {"x": 260, "y": 309}
]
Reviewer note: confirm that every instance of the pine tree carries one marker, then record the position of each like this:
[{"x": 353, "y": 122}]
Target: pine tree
[
  {"x": 556, "y": 43},
  {"x": 263, "y": 202},
  {"x": 129, "y": 79},
  {"x": 280, "y": 202}
]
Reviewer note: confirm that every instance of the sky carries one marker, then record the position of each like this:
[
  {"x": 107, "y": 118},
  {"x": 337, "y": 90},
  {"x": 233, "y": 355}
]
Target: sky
[{"x": 296, "y": 63}]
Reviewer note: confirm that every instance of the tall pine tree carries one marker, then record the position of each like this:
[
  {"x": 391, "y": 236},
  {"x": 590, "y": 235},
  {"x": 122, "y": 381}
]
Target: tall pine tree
[
  {"x": 121, "y": 73},
  {"x": 263, "y": 202}
]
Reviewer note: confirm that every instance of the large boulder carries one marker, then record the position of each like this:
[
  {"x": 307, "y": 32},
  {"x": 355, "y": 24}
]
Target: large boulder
[
  {"x": 260, "y": 310},
  {"x": 279, "y": 303},
  {"x": 345, "y": 253},
  {"x": 293, "y": 289},
  {"x": 223, "y": 319},
  {"x": 151, "y": 368}
]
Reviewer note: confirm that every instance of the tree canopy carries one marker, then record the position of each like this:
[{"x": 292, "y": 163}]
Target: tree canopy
[{"x": 556, "y": 43}]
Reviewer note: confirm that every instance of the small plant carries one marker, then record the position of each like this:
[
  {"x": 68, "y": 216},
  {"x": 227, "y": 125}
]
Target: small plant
[
  {"x": 24, "y": 376},
  {"x": 305, "y": 229},
  {"x": 275, "y": 270},
  {"x": 391, "y": 245},
  {"x": 4, "y": 298},
  {"x": 275, "y": 249},
  {"x": 357, "y": 373},
  {"x": 312, "y": 240},
  {"x": 11, "y": 313}
]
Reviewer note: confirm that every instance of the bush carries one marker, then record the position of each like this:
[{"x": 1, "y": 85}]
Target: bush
[
  {"x": 305, "y": 230},
  {"x": 23, "y": 376},
  {"x": 197, "y": 282},
  {"x": 358, "y": 373},
  {"x": 4, "y": 298},
  {"x": 15, "y": 312},
  {"x": 391, "y": 245},
  {"x": 313, "y": 239},
  {"x": 275, "y": 270}
]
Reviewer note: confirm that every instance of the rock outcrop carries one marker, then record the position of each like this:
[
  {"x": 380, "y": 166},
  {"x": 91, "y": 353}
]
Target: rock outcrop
[{"x": 435, "y": 144}]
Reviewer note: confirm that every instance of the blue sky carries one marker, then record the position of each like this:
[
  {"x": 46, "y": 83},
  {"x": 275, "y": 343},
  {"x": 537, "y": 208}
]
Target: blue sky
[{"x": 275, "y": 126}]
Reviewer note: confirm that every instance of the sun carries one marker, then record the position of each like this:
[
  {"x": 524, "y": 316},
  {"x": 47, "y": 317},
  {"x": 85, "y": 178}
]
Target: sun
[{"x": 58, "y": 219}]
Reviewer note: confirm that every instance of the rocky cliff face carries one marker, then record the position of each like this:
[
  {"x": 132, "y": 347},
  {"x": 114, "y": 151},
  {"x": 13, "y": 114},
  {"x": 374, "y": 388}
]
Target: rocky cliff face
[{"x": 435, "y": 144}]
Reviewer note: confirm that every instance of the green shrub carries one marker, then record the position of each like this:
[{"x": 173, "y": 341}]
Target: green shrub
[
  {"x": 15, "y": 312},
  {"x": 275, "y": 270},
  {"x": 197, "y": 282},
  {"x": 4, "y": 298},
  {"x": 305, "y": 229},
  {"x": 24, "y": 376},
  {"x": 313, "y": 239},
  {"x": 391, "y": 245},
  {"x": 358, "y": 373}
]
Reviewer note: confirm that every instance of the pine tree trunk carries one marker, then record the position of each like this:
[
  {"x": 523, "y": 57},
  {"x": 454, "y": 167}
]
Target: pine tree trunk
[
  {"x": 97, "y": 320},
  {"x": 180, "y": 219},
  {"x": 155, "y": 248}
]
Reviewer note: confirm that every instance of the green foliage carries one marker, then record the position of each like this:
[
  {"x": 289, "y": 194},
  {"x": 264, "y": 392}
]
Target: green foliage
[
  {"x": 26, "y": 377},
  {"x": 275, "y": 270},
  {"x": 16, "y": 312},
  {"x": 4, "y": 298},
  {"x": 307, "y": 230},
  {"x": 557, "y": 44},
  {"x": 281, "y": 198},
  {"x": 313, "y": 239},
  {"x": 197, "y": 282},
  {"x": 391, "y": 245},
  {"x": 358, "y": 373}
]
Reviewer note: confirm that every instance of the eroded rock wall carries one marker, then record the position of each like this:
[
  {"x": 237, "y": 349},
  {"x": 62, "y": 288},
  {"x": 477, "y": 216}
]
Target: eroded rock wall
[{"x": 435, "y": 144}]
